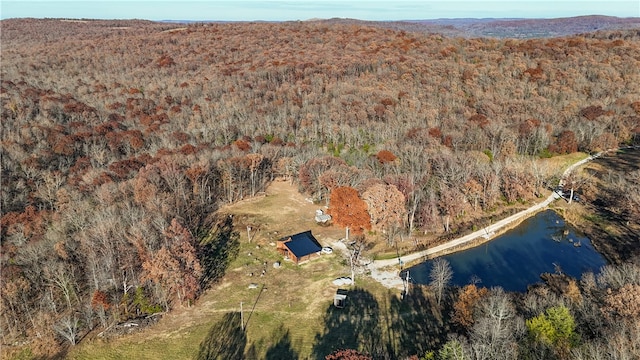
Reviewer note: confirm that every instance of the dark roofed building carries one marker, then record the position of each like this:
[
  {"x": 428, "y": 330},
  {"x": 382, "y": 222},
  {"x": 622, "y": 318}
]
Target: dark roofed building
[{"x": 299, "y": 247}]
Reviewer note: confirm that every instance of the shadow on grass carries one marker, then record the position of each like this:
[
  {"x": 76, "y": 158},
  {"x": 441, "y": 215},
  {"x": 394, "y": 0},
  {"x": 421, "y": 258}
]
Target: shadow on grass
[
  {"x": 218, "y": 249},
  {"x": 283, "y": 349},
  {"x": 356, "y": 326},
  {"x": 417, "y": 323},
  {"x": 225, "y": 340},
  {"x": 396, "y": 330}
]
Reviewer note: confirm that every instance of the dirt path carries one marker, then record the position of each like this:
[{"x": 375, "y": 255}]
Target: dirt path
[{"x": 386, "y": 273}]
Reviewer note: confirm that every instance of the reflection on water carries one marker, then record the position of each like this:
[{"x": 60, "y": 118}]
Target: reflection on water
[{"x": 543, "y": 243}]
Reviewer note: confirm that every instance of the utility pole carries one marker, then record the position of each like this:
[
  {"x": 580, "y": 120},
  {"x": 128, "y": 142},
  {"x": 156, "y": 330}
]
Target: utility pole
[{"x": 241, "y": 317}]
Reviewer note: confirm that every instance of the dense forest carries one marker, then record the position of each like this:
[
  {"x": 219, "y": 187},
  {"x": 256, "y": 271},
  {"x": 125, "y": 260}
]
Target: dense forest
[{"x": 121, "y": 139}]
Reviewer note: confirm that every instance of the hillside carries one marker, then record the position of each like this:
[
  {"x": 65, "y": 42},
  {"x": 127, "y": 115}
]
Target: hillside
[
  {"x": 121, "y": 140},
  {"x": 535, "y": 28},
  {"x": 595, "y": 25}
]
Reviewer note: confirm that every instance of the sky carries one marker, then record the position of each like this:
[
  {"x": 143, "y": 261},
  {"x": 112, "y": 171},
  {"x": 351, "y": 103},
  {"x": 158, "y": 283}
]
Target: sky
[{"x": 279, "y": 10}]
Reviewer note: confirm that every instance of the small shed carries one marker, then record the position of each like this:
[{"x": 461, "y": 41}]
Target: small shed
[
  {"x": 299, "y": 247},
  {"x": 340, "y": 299},
  {"x": 322, "y": 217}
]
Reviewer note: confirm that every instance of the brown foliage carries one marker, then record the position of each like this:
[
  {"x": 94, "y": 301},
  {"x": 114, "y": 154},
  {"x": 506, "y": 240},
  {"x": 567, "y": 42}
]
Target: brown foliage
[
  {"x": 572, "y": 292},
  {"x": 242, "y": 145},
  {"x": 435, "y": 132},
  {"x": 565, "y": 143},
  {"x": 535, "y": 74},
  {"x": 348, "y": 354},
  {"x": 464, "y": 308},
  {"x": 119, "y": 119},
  {"x": 592, "y": 112},
  {"x": 99, "y": 299},
  {"x": 31, "y": 222},
  {"x": 623, "y": 304},
  {"x": 165, "y": 61},
  {"x": 309, "y": 173},
  {"x": 385, "y": 205},
  {"x": 348, "y": 210},
  {"x": 175, "y": 266},
  {"x": 517, "y": 184},
  {"x": 479, "y": 119},
  {"x": 385, "y": 156}
]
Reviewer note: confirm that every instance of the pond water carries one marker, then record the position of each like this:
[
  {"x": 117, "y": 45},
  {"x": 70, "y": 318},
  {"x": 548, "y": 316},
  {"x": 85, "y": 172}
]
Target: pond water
[{"x": 542, "y": 243}]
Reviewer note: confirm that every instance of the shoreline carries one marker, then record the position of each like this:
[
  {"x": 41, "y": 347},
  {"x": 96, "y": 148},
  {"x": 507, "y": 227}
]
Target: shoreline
[{"x": 386, "y": 272}]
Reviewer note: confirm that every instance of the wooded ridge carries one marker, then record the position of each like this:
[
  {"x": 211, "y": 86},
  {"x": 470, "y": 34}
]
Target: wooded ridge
[{"x": 120, "y": 140}]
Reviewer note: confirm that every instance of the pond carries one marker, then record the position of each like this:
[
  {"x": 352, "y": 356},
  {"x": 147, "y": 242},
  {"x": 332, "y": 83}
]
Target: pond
[{"x": 542, "y": 243}]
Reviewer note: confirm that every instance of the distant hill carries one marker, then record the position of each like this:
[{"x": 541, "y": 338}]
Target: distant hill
[{"x": 510, "y": 28}]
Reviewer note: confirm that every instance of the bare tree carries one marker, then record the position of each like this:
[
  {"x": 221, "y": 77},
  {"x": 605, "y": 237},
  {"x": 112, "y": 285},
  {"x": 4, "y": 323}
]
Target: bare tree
[
  {"x": 440, "y": 275},
  {"x": 64, "y": 279},
  {"x": 68, "y": 327},
  {"x": 495, "y": 333},
  {"x": 356, "y": 253}
]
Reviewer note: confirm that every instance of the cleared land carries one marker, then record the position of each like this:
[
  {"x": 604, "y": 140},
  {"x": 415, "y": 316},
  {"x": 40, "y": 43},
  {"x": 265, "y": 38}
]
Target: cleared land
[{"x": 291, "y": 305}]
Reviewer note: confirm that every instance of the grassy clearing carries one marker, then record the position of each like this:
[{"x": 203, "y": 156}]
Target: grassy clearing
[
  {"x": 559, "y": 163},
  {"x": 290, "y": 315},
  {"x": 288, "y": 301},
  {"x": 183, "y": 345}
]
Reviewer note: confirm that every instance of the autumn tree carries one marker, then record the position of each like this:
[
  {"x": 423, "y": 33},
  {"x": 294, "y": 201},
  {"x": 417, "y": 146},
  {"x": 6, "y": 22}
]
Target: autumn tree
[
  {"x": 348, "y": 210},
  {"x": 565, "y": 143},
  {"x": 532, "y": 137},
  {"x": 464, "y": 307},
  {"x": 386, "y": 207},
  {"x": 385, "y": 156},
  {"x": 100, "y": 304},
  {"x": 623, "y": 304},
  {"x": 386, "y": 159},
  {"x": 473, "y": 191},
  {"x": 310, "y": 171},
  {"x": 341, "y": 175},
  {"x": 450, "y": 204},
  {"x": 413, "y": 195},
  {"x": 257, "y": 172},
  {"x": 175, "y": 268},
  {"x": 95, "y": 167},
  {"x": 413, "y": 180},
  {"x": 347, "y": 354},
  {"x": 234, "y": 174},
  {"x": 517, "y": 183}
]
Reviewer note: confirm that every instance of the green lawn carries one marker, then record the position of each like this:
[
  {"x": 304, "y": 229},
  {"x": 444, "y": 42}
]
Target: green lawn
[{"x": 293, "y": 318}]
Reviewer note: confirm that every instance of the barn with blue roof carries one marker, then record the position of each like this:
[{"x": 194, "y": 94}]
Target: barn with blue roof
[{"x": 299, "y": 247}]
